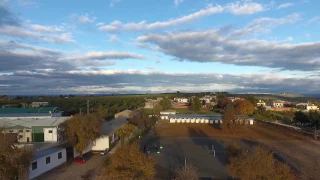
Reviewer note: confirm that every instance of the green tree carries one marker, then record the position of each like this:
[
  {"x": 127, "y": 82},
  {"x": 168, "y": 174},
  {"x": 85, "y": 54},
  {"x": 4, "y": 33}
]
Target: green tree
[
  {"x": 195, "y": 104},
  {"x": 314, "y": 117},
  {"x": 14, "y": 161},
  {"x": 301, "y": 118},
  {"x": 128, "y": 163},
  {"x": 229, "y": 119},
  {"x": 165, "y": 103},
  {"x": 82, "y": 130},
  {"x": 244, "y": 107},
  {"x": 259, "y": 164},
  {"x": 102, "y": 111},
  {"x": 125, "y": 132},
  {"x": 252, "y": 99},
  {"x": 157, "y": 109}
]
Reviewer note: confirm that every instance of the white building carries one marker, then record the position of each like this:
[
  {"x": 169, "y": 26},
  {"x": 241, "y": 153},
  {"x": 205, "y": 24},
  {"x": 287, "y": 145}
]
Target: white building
[
  {"x": 109, "y": 136},
  {"x": 34, "y": 129},
  {"x": 39, "y": 104},
  {"x": 204, "y": 118},
  {"x": 126, "y": 113},
  {"x": 277, "y": 104},
  {"x": 165, "y": 114},
  {"x": 181, "y": 100},
  {"x": 307, "y": 106},
  {"x": 261, "y": 103},
  {"x": 46, "y": 160}
]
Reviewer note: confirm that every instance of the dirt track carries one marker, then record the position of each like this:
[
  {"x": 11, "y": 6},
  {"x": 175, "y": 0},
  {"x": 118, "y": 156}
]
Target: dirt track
[{"x": 300, "y": 152}]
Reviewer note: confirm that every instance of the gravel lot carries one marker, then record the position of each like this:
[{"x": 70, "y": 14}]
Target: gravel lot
[{"x": 302, "y": 153}]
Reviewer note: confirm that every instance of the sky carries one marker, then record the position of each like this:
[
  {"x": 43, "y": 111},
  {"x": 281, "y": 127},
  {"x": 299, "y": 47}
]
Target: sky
[{"x": 150, "y": 46}]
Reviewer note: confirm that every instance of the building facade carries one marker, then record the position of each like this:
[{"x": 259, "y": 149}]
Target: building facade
[{"x": 46, "y": 160}]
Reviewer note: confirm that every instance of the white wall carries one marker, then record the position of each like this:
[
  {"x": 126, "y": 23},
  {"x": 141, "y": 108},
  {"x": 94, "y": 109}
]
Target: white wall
[
  {"x": 89, "y": 148},
  {"x": 43, "y": 167},
  {"x": 51, "y": 137},
  {"x": 101, "y": 144}
]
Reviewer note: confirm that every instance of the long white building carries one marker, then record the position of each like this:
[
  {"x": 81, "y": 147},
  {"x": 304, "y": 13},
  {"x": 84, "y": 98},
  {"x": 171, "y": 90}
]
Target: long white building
[{"x": 202, "y": 118}]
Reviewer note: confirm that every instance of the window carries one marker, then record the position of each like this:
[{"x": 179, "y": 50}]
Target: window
[
  {"x": 59, "y": 155},
  {"x": 27, "y": 130},
  {"x": 10, "y": 131},
  {"x": 20, "y": 136},
  {"x": 34, "y": 165},
  {"x": 50, "y": 131},
  {"x": 20, "y": 130},
  {"x": 48, "y": 160}
]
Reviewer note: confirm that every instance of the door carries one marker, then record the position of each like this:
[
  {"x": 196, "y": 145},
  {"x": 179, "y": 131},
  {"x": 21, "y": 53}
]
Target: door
[{"x": 28, "y": 139}]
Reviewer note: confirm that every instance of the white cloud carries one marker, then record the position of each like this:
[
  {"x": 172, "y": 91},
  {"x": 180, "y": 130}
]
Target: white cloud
[
  {"x": 94, "y": 55},
  {"x": 82, "y": 19},
  {"x": 237, "y": 8},
  {"x": 285, "y": 5},
  {"x": 265, "y": 25},
  {"x": 177, "y": 2},
  {"x": 42, "y": 28},
  {"x": 210, "y": 46},
  {"x": 114, "y": 2},
  {"x": 314, "y": 19},
  {"x": 137, "y": 81},
  {"x": 243, "y": 7},
  {"x": 100, "y": 24},
  {"x": 20, "y": 32},
  {"x": 114, "y": 38},
  {"x": 26, "y": 3}
]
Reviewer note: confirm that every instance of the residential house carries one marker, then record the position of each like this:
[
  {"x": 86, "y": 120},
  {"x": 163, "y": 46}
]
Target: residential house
[
  {"x": 277, "y": 104},
  {"x": 306, "y": 106},
  {"x": 165, "y": 114},
  {"x": 181, "y": 100},
  {"x": 261, "y": 103}
]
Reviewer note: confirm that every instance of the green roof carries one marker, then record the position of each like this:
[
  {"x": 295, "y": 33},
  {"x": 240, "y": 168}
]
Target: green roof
[{"x": 28, "y": 110}]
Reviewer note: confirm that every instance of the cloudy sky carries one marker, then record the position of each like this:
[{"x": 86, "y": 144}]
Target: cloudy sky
[{"x": 150, "y": 46}]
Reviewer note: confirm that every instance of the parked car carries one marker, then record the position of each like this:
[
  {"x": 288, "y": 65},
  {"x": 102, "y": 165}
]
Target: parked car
[
  {"x": 79, "y": 160},
  {"x": 104, "y": 152}
]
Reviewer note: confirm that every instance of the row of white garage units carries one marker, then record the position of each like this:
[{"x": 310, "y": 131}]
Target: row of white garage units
[
  {"x": 194, "y": 120},
  {"x": 204, "y": 121}
]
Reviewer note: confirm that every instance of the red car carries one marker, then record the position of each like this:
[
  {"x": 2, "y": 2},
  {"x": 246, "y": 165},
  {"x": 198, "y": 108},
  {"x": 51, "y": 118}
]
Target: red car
[{"x": 79, "y": 160}]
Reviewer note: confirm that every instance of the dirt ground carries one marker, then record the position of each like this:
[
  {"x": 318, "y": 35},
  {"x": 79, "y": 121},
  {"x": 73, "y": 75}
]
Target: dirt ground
[{"x": 302, "y": 153}]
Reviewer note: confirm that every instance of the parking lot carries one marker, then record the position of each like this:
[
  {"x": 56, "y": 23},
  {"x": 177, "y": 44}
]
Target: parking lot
[{"x": 191, "y": 150}]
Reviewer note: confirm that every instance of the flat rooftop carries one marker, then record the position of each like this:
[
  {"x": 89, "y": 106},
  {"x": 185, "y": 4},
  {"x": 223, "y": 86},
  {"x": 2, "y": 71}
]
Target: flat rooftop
[
  {"x": 46, "y": 152},
  {"x": 31, "y": 122},
  {"x": 212, "y": 116}
]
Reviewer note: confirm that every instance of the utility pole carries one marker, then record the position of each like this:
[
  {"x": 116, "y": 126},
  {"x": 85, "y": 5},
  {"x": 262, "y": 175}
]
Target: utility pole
[{"x": 88, "y": 106}]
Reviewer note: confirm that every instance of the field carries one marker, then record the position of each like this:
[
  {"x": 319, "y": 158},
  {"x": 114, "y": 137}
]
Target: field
[
  {"x": 188, "y": 111},
  {"x": 194, "y": 141}
]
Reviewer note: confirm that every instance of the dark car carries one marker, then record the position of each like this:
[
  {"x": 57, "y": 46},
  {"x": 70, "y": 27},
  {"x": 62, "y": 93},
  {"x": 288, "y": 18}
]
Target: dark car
[{"x": 79, "y": 160}]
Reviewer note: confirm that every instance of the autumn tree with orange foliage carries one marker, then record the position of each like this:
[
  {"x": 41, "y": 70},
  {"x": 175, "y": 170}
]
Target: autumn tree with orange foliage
[
  {"x": 129, "y": 163},
  {"x": 244, "y": 107},
  {"x": 188, "y": 172},
  {"x": 125, "y": 132},
  {"x": 81, "y": 130},
  {"x": 259, "y": 164},
  {"x": 14, "y": 161}
]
